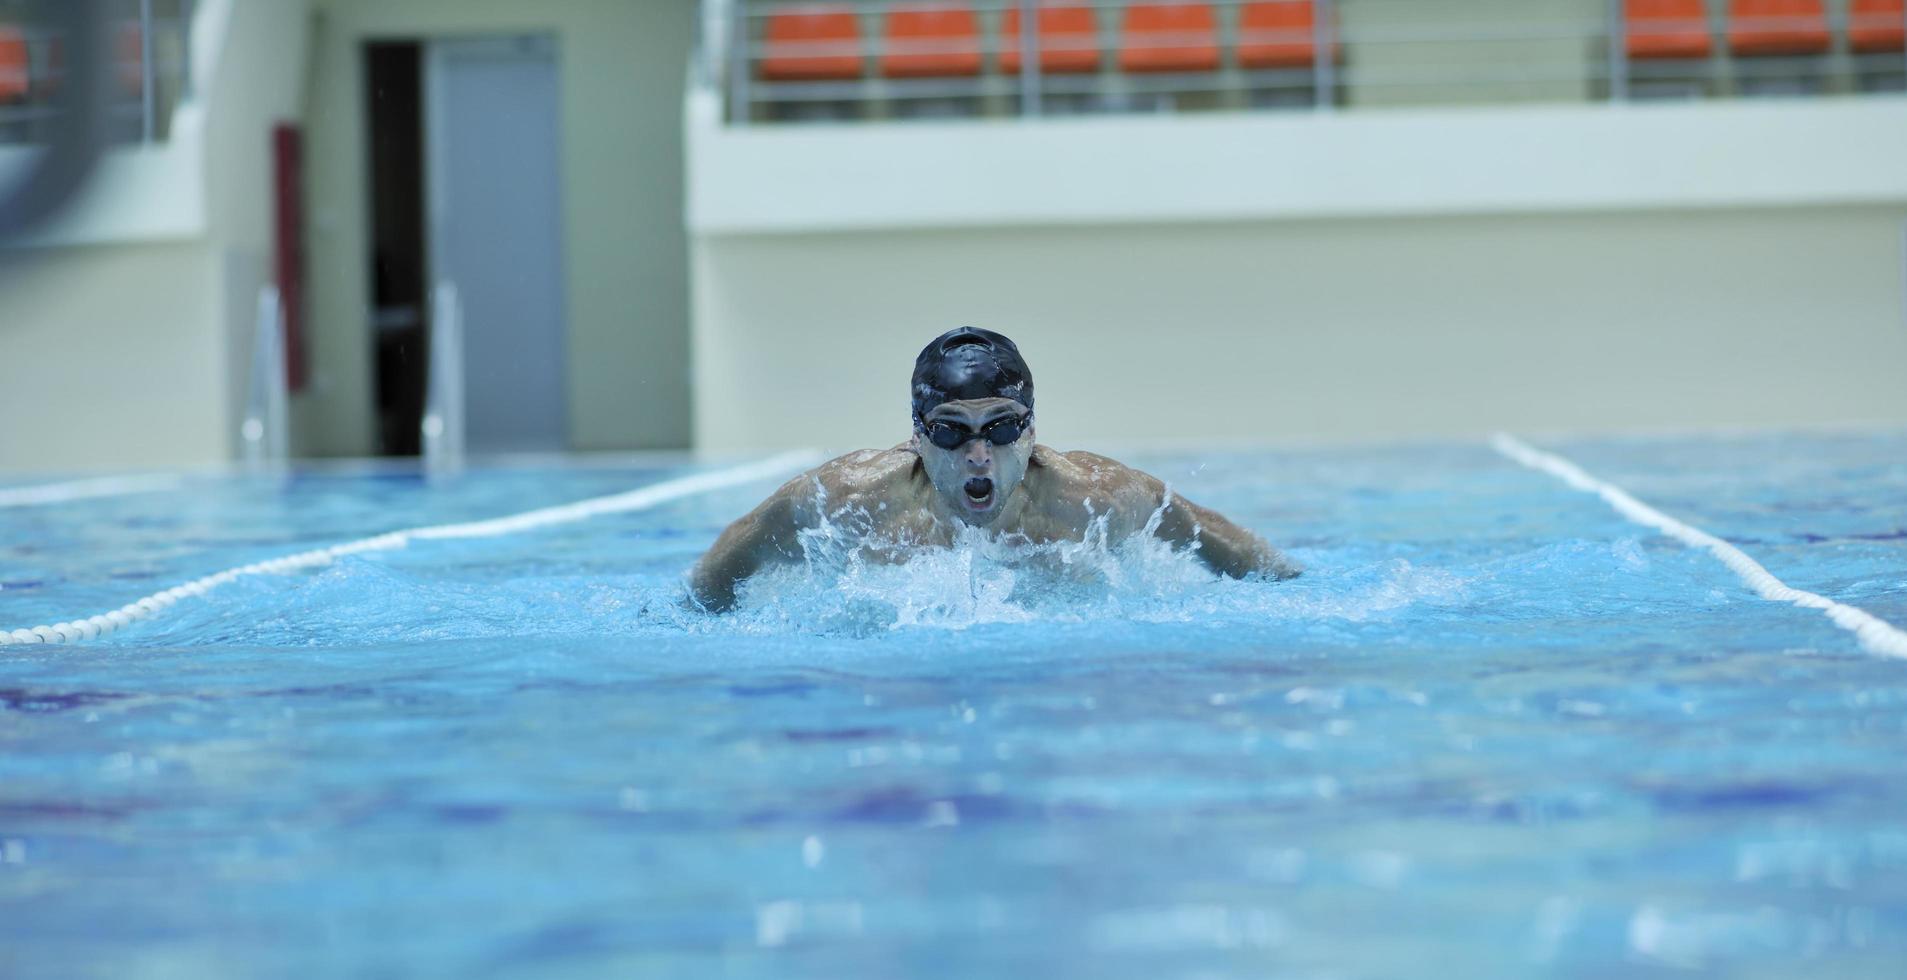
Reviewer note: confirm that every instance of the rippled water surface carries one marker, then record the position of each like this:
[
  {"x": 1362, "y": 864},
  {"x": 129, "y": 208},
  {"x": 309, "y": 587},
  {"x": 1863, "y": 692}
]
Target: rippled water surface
[{"x": 1495, "y": 728}]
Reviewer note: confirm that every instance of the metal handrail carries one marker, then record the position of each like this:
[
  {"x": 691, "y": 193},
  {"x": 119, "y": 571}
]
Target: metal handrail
[
  {"x": 262, "y": 436},
  {"x": 443, "y": 423},
  {"x": 1606, "y": 62},
  {"x": 47, "y": 74}
]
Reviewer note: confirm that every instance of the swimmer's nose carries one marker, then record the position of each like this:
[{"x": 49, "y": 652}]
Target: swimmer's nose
[{"x": 979, "y": 454}]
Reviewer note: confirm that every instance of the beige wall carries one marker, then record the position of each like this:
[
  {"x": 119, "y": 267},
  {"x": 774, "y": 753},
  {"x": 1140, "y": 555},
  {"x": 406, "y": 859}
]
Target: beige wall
[
  {"x": 109, "y": 357},
  {"x": 621, "y": 77},
  {"x": 1366, "y": 328}
]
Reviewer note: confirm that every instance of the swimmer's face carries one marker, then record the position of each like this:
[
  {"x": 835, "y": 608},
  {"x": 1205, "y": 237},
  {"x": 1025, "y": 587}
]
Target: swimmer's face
[{"x": 976, "y": 478}]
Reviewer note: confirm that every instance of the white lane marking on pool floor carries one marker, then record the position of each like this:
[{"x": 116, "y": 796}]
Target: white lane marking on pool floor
[
  {"x": 1876, "y": 634},
  {"x": 638, "y": 499},
  {"x": 103, "y": 486}
]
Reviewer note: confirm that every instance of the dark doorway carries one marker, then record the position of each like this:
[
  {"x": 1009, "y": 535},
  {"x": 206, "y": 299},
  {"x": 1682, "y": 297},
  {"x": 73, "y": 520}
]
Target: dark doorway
[{"x": 400, "y": 317}]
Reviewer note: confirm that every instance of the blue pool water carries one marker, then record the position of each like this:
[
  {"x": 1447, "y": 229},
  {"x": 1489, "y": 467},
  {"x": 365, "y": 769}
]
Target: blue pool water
[{"x": 1495, "y": 730}]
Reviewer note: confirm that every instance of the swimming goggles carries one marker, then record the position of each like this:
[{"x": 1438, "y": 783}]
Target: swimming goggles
[{"x": 1000, "y": 432}]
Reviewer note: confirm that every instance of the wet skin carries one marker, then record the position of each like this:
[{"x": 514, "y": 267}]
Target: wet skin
[{"x": 918, "y": 494}]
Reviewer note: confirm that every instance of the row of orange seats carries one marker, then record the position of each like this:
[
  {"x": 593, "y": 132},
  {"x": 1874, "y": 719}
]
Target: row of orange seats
[
  {"x": 818, "y": 42},
  {"x": 16, "y": 66},
  {"x": 1679, "y": 29}
]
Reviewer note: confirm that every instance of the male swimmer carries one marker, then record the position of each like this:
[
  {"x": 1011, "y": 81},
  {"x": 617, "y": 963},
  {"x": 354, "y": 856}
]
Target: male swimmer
[{"x": 972, "y": 461}]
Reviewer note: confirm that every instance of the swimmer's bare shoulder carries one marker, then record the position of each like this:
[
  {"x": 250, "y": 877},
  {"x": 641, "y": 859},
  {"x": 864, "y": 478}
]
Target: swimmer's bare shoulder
[
  {"x": 1085, "y": 484},
  {"x": 770, "y": 534},
  {"x": 863, "y": 479},
  {"x": 1076, "y": 487}
]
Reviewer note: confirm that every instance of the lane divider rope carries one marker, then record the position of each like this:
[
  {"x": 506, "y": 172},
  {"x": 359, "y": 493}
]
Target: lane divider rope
[
  {"x": 104, "y": 486},
  {"x": 638, "y": 499},
  {"x": 1874, "y": 633}
]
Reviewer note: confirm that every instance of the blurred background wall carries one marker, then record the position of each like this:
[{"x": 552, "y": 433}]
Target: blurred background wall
[
  {"x": 620, "y": 79},
  {"x": 1477, "y": 214},
  {"x": 124, "y": 326},
  {"x": 1432, "y": 272},
  {"x": 1364, "y": 328},
  {"x": 1489, "y": 214}
]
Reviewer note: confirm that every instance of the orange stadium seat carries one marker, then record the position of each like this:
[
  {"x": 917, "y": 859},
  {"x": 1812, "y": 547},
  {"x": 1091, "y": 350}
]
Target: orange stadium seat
[
  {"x": 13, "y": 64},
  {"x": 1876, "y": 26},
  {"x": 1776, "y": 27},
  {"x": 1068, "y": 38},
  {"x": 1665, "y": 29},
  {"x": 931, "y": 39},
  {"x": 819, "y": 42},
  {"x": 1169, "y": 37},
  {"x": 1280, "y": 34}
]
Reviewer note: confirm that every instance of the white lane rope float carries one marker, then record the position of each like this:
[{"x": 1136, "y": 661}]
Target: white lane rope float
[
  {"x": 104, "y": 486},
  {"x": 1874, "y": 633},
  {"x": 638, "y": 499}
]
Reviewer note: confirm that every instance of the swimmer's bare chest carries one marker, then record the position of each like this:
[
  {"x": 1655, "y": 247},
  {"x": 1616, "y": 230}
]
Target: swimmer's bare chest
[{"x": 886, "y": 497}]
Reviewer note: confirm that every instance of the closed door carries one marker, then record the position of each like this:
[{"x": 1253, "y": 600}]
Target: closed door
[{"x": 496, "y": 232}]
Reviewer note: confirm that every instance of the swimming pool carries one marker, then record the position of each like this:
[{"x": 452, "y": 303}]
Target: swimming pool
[{"x": 1497, "y": 728}]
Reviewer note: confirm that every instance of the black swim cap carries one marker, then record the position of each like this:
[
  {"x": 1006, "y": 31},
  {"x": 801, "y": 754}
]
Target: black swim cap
[{"x": 970, "y": 363}]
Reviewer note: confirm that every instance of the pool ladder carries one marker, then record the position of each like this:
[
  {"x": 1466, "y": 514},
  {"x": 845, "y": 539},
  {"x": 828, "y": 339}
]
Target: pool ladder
[
  {"x": 263, "y": 438},
  {"x": 262, "y": 435},
  {"x": 443, "y": 425}
]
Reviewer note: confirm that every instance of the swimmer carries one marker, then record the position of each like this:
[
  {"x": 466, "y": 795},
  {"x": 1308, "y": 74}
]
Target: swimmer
[{"x": 972, "y": 461}]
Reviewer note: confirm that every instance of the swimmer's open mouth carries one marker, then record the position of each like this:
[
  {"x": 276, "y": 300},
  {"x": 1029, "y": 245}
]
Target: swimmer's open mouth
[{"x": 979, "y": 491}]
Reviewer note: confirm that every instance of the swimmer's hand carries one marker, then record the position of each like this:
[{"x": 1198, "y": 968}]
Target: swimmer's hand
[
  {"x": 1277, "y": 565},
  {"x": 1224, "y": 547},
  {"x": 765, "y": 535},
  {"x": 709, "y": 597},
  {"x": 691, "y": 601},
  {"x": 716, "y": 578}
]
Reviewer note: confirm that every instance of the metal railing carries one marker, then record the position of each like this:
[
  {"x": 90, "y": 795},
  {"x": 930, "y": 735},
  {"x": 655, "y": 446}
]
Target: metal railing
[
  {"x": 786, "y": 60},
  {"x": 145, "y": 71}
]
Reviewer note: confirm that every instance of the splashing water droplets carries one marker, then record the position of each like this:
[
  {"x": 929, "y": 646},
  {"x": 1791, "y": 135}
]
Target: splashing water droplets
[
  {"x": 855, "y": 581},
  {"x": 852, "y": 578}
]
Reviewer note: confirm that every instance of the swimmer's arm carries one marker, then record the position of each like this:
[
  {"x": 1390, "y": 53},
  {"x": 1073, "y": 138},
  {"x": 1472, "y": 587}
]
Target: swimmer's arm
[
  {"x": 1223, "y": 546},
  {"x": 766, "y": 535}
]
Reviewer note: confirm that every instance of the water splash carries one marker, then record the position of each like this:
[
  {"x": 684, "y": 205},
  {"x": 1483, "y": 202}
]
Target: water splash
[{"x": 852, "y": 581}]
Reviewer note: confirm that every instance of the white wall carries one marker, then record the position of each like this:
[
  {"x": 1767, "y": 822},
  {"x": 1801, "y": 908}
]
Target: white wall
[
  {"x": 1358, "y": 329},
  {"x": 1385, "y": 274},
  {"x": 109, "y": 358},
  {"x": 1280, "y": 165},
  {"x": 141, "y": 193}
]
